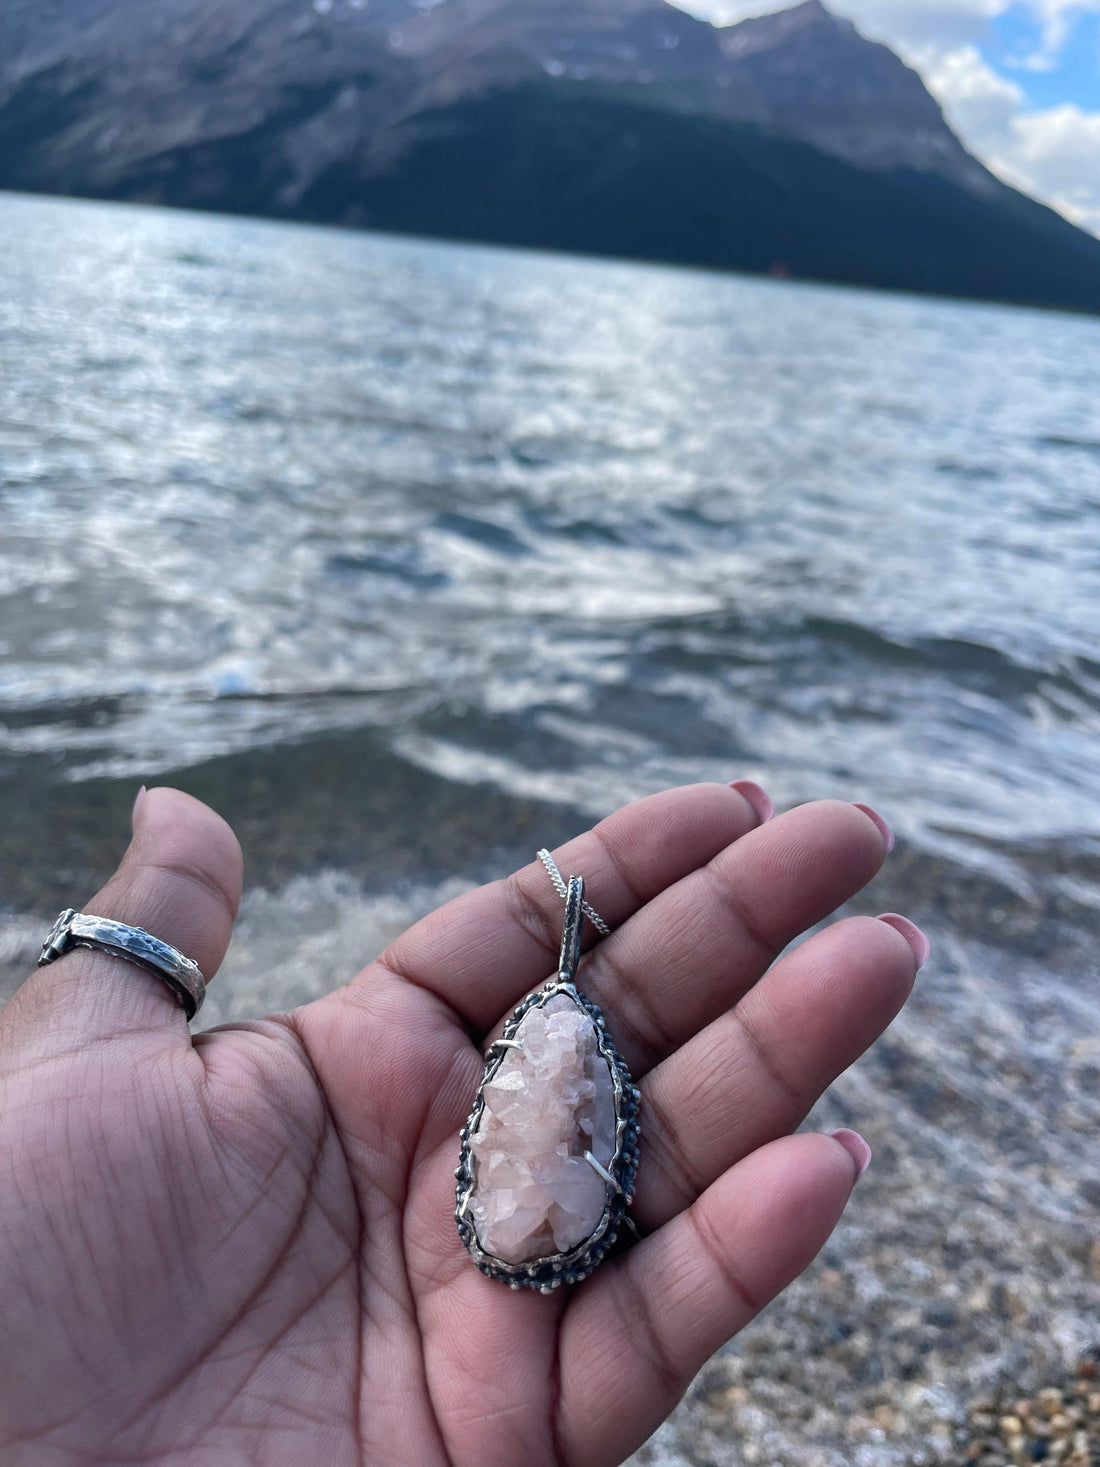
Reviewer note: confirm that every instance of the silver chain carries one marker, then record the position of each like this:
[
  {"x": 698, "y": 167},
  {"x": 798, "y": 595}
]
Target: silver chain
[{"x": 562, "y": 890}]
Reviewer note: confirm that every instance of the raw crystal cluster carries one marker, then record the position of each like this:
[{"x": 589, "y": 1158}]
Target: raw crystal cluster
[{"x": 548, "y": 1103}]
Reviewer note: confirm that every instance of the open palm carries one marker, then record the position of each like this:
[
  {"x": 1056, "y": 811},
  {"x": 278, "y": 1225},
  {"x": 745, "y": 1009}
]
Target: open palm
[{"x": 240, "y": 1248}]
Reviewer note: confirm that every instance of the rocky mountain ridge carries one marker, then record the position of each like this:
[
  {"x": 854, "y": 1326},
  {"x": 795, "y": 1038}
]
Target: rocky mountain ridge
[{"x": 341, "y": 110}]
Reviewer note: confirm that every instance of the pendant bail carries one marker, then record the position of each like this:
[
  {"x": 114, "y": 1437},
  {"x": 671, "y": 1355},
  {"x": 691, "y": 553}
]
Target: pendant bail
[{"x": 571, "y": 932}]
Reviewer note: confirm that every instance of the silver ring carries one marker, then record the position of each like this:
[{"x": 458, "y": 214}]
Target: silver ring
[{"x": 80, "y": 929}]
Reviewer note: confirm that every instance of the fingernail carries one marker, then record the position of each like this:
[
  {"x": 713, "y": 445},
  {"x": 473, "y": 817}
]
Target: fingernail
[
  {"x": 912, "y": 934},
  {"x": 856, "y": 1148},
  {"x": 137, "y": 806},
  {"x": 759, "y": 799},
  {"x": 887, "y": 833}
]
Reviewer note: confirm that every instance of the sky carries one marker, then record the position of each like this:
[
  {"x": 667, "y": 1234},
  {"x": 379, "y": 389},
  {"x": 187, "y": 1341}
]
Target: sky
[{"x": 1019, "y": 81}]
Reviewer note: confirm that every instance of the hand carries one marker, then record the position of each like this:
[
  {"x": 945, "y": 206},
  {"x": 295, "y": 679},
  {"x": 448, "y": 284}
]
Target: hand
[{"x": 240, "y": 1248}]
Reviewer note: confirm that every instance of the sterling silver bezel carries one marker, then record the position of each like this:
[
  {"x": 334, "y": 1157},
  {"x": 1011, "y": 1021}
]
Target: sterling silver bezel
[{"x": 549, "y": 1273}]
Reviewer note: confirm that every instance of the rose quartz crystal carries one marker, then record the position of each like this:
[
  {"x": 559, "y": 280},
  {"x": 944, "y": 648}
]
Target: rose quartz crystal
[{"x": 548, "y": 1103}]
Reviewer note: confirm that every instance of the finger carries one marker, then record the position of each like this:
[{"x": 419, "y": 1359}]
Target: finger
[
  {"x": 486, "y": 949},
  {"x": 180, "y": 879},
  {"x": 635, "y": 1334},
  {"x": 700, "y": 945},
  {"x": 755, "y": 1072}
]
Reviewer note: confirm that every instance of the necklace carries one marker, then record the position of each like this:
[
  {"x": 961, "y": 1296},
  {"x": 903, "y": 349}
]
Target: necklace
[{"x": 546, "y": 1170}]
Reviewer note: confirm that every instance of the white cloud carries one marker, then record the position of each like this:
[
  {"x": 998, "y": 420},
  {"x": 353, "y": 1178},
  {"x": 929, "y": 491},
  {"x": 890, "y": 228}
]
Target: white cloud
[
  {"x": 1053, "y": 154},
  {"x": 916, "y": 23},
  {"x": 1055, "y": 19},
  {"x": 979, "y": 102},
  {"x": 909, "y": 23},
  {"x": 902, "y": 22}
]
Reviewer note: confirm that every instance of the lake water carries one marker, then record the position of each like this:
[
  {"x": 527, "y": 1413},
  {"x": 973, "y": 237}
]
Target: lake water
[{"x": 411, "y": 557}]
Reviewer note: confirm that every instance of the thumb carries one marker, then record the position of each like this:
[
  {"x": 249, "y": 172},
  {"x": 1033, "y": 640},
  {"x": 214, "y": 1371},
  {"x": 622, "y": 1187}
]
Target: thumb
[{"x": 180, "y": 880}]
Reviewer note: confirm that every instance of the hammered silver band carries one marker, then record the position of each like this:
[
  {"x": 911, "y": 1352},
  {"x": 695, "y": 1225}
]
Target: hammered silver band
[{"x": 80, "y": 929}]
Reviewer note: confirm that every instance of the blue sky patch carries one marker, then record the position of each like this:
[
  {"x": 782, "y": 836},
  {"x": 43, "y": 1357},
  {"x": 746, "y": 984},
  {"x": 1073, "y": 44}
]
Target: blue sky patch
[{"x": 1074, "y": 78}]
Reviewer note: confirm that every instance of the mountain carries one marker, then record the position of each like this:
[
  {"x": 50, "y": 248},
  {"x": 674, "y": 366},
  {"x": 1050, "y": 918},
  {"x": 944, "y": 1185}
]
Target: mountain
[
  {"x": 787, "y": 143},
  {"x": 827, "y": 84}
]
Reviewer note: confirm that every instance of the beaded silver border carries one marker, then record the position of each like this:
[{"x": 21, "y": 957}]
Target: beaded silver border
[{"x": 549, "y": 1273}]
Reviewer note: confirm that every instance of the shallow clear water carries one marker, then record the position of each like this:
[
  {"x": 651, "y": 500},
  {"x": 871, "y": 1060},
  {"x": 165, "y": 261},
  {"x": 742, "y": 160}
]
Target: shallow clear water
[{"x": 411, "y": 555}]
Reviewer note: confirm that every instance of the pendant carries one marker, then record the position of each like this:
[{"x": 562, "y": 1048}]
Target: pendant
[{"x": 546, "y": 1172}]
